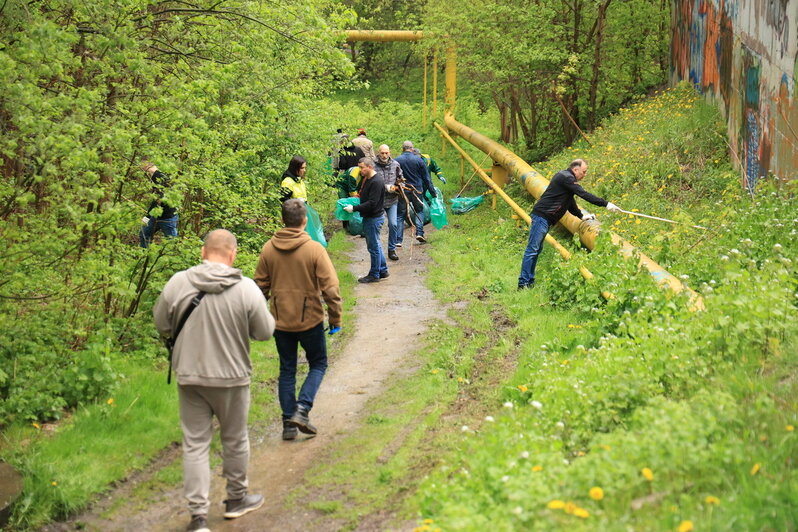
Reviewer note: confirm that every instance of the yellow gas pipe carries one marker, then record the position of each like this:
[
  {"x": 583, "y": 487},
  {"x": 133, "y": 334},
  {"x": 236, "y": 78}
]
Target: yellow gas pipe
[
  {"x": 534, "y": 183},
  {"x": 564, "y": 253}
]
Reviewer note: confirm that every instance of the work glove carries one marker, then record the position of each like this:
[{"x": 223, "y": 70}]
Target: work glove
[
  {"x": 443, "y": 179},
  {"x": 432, "y": 193},
  {"x": 349, "y": 208},
  {"x": 145, "y": 220},
  {"x": 613, "y": 208},
  {"x": 334, "y": 330},
  {"x": 588, "y": 216}
]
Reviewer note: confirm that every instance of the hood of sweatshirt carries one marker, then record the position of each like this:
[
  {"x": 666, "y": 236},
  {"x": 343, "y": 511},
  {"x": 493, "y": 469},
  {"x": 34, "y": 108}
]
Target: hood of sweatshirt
[
  {"x": 213, "y": 277},
  {"x": 289, "y": 238}
]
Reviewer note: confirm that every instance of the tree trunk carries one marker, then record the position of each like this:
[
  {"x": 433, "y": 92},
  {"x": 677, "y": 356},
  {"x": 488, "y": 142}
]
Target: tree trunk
[{"x": 594, "y": 81}]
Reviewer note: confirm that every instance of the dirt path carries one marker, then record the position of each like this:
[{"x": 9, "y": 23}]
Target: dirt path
[{"x": 386, "y": 329}]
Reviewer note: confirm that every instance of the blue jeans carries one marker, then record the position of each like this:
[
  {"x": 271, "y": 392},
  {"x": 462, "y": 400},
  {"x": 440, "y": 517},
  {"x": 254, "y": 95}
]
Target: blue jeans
[
  {"x": 315, "y": 346},
  {"x": 537, "y": 233},
  {"x": 371, "y": 227},
  {"x": 393, "y": 226},
  {"x": 418, "y": 220},
  {"x": 401, "y": 213},
  {"x": 168, "y": 227}
]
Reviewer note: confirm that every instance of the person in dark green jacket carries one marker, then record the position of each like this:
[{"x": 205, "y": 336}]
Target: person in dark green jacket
[{"x": 432, "y": 166}]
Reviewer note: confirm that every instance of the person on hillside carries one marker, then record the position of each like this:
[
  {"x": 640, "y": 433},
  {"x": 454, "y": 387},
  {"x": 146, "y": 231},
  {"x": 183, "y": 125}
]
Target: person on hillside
[
  {"x": 417, "y": 181},
  {"x": 160, "y": 215},
  {"x": 432, "y": 166},
  {"x": 295, "y": 274},
  {"x": 363, "y": 142},
  {"x": 372, "y": 208},
  {"x": 391, "y": 173},
  {"x": 213, "y": 369},
  {"x": 293, "y": 180},
  {"x": 552, "y": 205}
]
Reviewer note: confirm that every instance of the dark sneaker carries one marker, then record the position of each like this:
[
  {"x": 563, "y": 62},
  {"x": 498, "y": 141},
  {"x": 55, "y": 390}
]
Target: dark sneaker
[
  {"x": 392, "y": 255},
  {"x": 301, "y": 421},
  {"x": 199, "y": 523},
  {"x": 368, "y": 279},
  {"x": 237, "y": 507},
  {"x": 525, "y": 286},
  {"x": 421, "y": 238},
  {"x": 385, "y": 275},
  {"x": 289, "y": 430}
]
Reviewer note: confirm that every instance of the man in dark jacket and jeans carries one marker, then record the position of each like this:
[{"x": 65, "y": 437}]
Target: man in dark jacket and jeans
[
  {"x": 417, "y": 181},
  {"x": 160, "y": 215},
  {"x": 211, "y": 361},
  {"x": 295, "y": 272},
  {"x": 552, "y": 205},
  {"x": 372, "y": 204}
]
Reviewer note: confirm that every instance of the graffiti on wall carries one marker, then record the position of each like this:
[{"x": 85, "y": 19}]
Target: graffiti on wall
[{"x": 744, "y": 55}]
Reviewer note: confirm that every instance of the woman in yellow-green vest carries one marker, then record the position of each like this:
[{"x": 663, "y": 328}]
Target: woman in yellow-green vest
[{"x": 293, "y": 183}]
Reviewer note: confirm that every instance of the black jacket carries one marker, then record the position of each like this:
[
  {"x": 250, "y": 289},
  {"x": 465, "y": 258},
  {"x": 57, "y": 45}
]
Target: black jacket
[
  {"x": 349, "y": 156},
  {"x": 159, "y": 183},
  {"x": 372, "y": 197},
  {"x": 559, "y": 197}
]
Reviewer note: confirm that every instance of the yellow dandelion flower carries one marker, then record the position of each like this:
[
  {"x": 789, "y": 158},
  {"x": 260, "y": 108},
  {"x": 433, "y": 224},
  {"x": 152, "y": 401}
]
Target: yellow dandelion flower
[
  {"x": 522, "y": 388},
  {"x": 596, "y": 493},
  {"x": 565, "y": 362},
  {"x": 110, "y": 401},
  {"x": 570, "y": 507},
  {"x": 36, "y": 425},
  {"x": 556, "y": 504},
  {"x": 537, "y": 468},
  {"x": 428, "y": 521},
  {"x": 712, "y": 500},
  {"x": 460, "y": 379},
  {"x": 54, "y": 483},
  {"x": 789, "y": 428},
  {"x": 756, "y": 468},
  {"x": 647, "y": 473},
  {"x": 435, "y": 371},
  {"x": 581, "y": 512},
  {"x": 685, "y": 526}
]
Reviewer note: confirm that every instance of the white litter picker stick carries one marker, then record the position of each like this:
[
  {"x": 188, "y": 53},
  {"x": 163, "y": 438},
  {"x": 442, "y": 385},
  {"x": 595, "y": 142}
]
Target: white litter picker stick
[{"x": 661, "y": 219}]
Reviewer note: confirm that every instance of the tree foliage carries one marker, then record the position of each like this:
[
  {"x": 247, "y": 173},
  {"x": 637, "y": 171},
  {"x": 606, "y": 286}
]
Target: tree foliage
[
  {"x": 215, "y": 93},
  {"x": 553, "y": 66}
]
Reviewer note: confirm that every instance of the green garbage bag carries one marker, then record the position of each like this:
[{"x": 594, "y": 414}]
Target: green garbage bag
[
  {"x": 340, "y": 213},
  {"x": 463, "y": 205},
  {"x": 315, "y": 228},
  {"x": 437, "y": 209},
  {"x": 355, "y": 225}
]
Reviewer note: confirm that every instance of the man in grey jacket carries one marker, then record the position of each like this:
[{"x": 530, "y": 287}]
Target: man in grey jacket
[
  {"x": 213, "y": 369},
  {"x": 391, "y": 173}
]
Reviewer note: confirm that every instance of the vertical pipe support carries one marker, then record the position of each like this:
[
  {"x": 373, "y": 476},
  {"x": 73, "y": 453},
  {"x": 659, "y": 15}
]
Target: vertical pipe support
[
  {"x": 434, "y": 84},
  {"x": 451, "y": 79},
  {"x": 424, "y": 98}
]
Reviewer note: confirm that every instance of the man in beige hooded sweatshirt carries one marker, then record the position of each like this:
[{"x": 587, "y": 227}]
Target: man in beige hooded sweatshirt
[
  {"x": 295, "y": 273},
  {"x": 213, "y": 368}
]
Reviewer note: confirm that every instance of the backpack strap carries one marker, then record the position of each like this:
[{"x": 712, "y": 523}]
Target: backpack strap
[{"x": 170, "y": 342}]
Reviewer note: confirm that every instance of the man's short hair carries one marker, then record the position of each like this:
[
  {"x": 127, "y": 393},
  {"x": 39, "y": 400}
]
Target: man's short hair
[
  {"x": 220, "y": 241},
  {"x": 368, "y": 161},
  {"x": 407, "y": 145},
  {"x": 294, "y": 212},
  {"x": 575, "y": 163}
]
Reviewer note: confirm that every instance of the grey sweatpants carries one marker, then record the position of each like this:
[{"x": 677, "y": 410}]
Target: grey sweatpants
[{"x": 198, "y": 405}]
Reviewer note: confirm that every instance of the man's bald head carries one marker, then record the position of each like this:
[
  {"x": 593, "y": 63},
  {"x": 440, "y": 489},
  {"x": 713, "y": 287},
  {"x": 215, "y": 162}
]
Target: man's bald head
[{"x": 220, "y": 246}]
